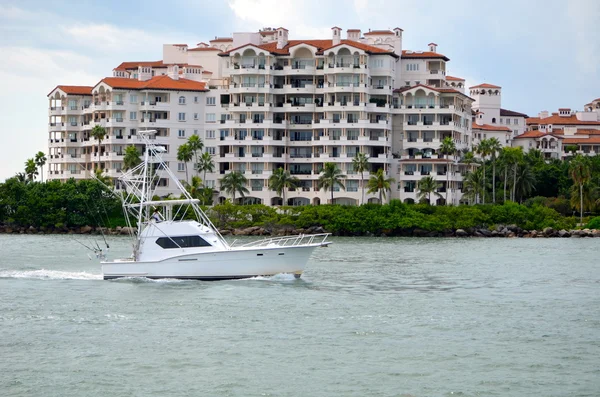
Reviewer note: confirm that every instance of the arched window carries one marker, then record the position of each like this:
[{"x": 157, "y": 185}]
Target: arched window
[
  {"x": 493, "y": 120},
  {"x": 182, "y": 100}
]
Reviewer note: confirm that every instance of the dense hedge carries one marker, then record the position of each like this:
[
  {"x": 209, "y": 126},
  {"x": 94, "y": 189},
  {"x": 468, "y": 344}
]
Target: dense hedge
[
  {"x": 55, "y": 204},
  {"x": 391, "y": 218}
]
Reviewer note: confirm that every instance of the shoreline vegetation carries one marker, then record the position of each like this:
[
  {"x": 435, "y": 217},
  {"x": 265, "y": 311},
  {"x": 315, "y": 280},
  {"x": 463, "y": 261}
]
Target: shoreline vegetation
[{"x": 556, "y": 199}]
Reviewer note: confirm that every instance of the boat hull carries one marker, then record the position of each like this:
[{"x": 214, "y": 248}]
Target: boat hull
[{"x": 235, "y": 263}]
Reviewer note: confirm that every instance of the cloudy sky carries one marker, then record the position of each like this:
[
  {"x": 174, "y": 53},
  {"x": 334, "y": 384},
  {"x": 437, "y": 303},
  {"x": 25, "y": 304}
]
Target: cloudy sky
[{"x": 545, "y": 54}]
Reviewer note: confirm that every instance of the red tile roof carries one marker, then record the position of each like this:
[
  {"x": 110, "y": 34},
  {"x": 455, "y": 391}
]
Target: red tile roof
[
  {"x": 587, "y": 132},
  {"x": 560, "y": 120},
  {"x": 204, "y": 49},
  {"x": 452, "y": 78},
  {"x": 538, "y": 134},
  {"x": 321, "y": 45},
  {"x": 353, "y": 30},
  {"x": 155, "y": 83},
  {"x": 221, "y": 40},
  {"x": 485, "y": 85},
  {"x": 336, "y": 27},
  {"x": 592, "y": 140},
  {"x": 73, "y": 89},
  {"x": 379, "y": 32},
  {"x": 487, "y": 127},
  {"x": 432, "y": 43},
  {"x": 423, "y": 54},
  {"x": 135, "y": 65}
]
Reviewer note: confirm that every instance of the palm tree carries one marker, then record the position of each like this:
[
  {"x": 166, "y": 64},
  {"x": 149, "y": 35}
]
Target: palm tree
[
  {"x": 185, "y": 154},
  {"x": 579, "y": 170},
  {"x": 131, "y": 158},
  {"x": 447, "y": 147},
  {"x": 105, "y": 179},
  {"x": 331, "y": 178},
  {"x": 40, "y": 161},
  {"x": 206, "y": 164},
  {"x": 494, "y": 147},
  {"x": 517, "y": 157},
  {"x": 484, "y": 150},
  {"x": 196, "y": 145},
  {"x": 525, "y": 181},
  {"x": 280, "y": 180},
  {"x": 426, "y": 186},
  {"x": 31, "y": 169},
  {"x": 472, "y": 185},
  {"x": 21, "y": 177},
  {"x": 194, "y": 188},
  {"x": 378, "y": 183},
  {"x": 589, "y": 192},
  {"x": 98, "y": 132},
  {"x": 360, "y": 163},
  {"x": 234, "y": 182}
]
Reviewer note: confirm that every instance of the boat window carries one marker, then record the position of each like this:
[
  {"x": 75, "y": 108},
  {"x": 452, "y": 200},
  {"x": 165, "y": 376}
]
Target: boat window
[{"x": 182, "y": 241}]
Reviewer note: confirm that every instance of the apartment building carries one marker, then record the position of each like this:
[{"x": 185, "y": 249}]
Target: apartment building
[
  {"x": 564, "y": 133},
  {"x": 261, "y": 101},
  {"x": 168, "y": 103}
]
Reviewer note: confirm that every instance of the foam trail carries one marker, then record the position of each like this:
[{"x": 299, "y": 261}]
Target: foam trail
[
  {"x": 43, "y": 274},
  {"x": 277, "y": 277}
]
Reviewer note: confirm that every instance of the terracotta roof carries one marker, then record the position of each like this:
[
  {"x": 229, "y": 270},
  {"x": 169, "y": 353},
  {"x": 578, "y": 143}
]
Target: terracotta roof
[
  {"x": 282, "y": 29},
  {"x": 336, "y": 27},
  {"x": 353, "y": 30},
  {"x": 155, "y": 83},
  {"x": 592, "y": 139},
  {"x": 452, "y": 78},
  {"x": 402, "y": 30},
  {"x": 538, "y": 134},
  {"x": 221, "y": 40},
  {"x": 560, "y": 120},
  {"x": 204, "y": 49},
  {"x": 423, "y": 54},
  {"x": 485, "y": 85},
  {"x": 379, "y": 32},
  {"x": 487, "y": 127},
  {"x": 179, "y": 45},
  {"x": 135, "y": 65},
  {"x": 73, "y": 89},
  {"x": 587, "y": 132},
  {"x": 321, "y": 45},
  {"x": 432, "y": 44},
  {"x": 506, "y": 112},
  {"x": 564, "y": 109}
]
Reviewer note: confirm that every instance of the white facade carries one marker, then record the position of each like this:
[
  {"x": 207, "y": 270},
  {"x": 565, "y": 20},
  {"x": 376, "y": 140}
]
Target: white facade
[{"x": 270, "y": 101}]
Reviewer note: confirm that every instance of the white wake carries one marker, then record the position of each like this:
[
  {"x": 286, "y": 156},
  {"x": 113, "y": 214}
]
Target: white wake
[{"x": 44, "y": 274}]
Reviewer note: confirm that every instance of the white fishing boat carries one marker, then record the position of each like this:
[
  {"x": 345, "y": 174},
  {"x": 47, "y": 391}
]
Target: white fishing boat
[{"x": 168, "y": 244}]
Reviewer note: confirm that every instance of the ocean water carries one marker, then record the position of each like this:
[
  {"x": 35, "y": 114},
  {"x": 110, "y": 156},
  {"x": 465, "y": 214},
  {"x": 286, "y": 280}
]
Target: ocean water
[{"x": 369, "y": 317}]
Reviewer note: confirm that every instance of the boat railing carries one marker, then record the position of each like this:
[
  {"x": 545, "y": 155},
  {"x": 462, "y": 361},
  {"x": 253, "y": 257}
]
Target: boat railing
[{"x": 289, "y": 241}]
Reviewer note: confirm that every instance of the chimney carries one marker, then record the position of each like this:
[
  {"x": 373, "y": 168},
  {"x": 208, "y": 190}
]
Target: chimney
[
  {"x": 479, "y": 118},
  {"x": 282, "y": 38},
  {"x": 398, "y": 41},
  {"x": 353, "y": 34},
  {"x": 336, "y": 34},
  {"x": 432, "y": 47},
  {"x": 543, "y": 114}
]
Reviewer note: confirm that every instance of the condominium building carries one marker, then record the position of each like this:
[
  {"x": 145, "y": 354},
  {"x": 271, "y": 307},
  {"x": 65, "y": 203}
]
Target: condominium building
[
  {"x": 564, "y": 133},
  {"x": 262, "y": 101}
]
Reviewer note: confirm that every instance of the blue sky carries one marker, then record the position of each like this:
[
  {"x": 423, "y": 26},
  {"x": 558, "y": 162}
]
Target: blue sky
[{"x": 545, "y": 54}]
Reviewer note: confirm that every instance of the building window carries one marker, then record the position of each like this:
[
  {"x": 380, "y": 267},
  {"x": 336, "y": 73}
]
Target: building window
[
  {"x": 211, "y": 100},
  {"x": 210, "y": 150},
  {"x": 180, "y": 167},
  {"x": 195, "y": 116},
  {"x": 195, "y": 132},
  {"x": 210, "y": 118},
  {"x": 407, "y": 83},
  {"x": 210, "y": 134},
  {"x": 412, "y": 67},
  {"x": 501, "y": 120},
  {"x": 181, "y": 116},
  {"x": 133, "y": 99},
  {"x": 493, "y": 120},
  {"x": 182, "y": 100},
  {"x": 507, "y": 121},
  {"x": 181, "y": 133},
  {"x": 195, "y": 99},
  {"x": 516, "y": 121},
  {"x": 132, "y": 115}
]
